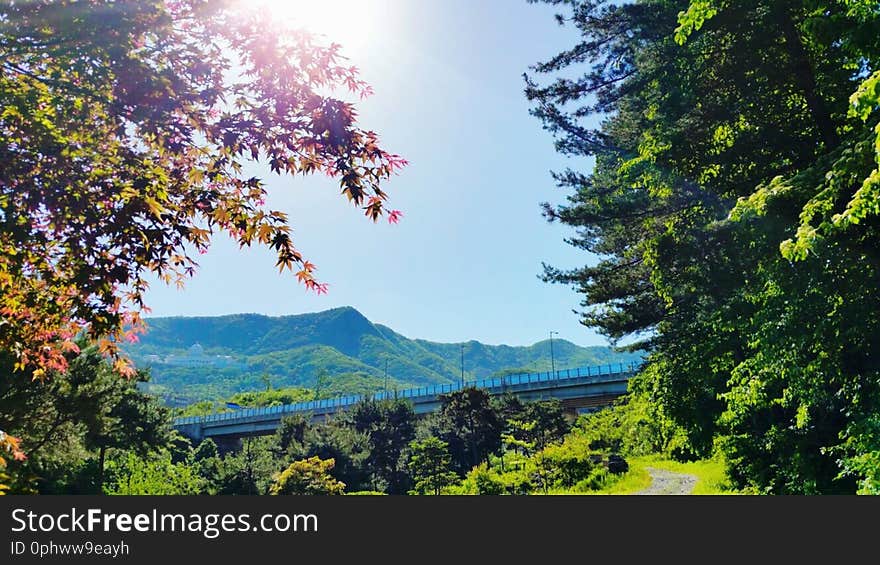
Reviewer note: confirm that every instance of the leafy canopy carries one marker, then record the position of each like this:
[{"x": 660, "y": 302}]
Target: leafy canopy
[
  {"x": 734, "y": 210},
  {"x": 124, "y": 133}
]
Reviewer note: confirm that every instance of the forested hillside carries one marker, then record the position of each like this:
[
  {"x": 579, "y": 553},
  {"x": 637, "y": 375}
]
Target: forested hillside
[{"x": 250, "y": 352}]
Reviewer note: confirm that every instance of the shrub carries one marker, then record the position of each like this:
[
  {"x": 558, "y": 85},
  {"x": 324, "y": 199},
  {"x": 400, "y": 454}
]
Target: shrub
[
  {"x": 566, "y": 464},
  {"x": 595, "y": 481},
  {"x": 484, "y": 480},
  {"x": 308, "y": 476}
]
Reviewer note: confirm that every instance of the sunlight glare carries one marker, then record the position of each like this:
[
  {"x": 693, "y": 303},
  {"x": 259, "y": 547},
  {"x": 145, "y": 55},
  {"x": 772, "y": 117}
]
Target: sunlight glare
[{"x": 347, "y": 22}]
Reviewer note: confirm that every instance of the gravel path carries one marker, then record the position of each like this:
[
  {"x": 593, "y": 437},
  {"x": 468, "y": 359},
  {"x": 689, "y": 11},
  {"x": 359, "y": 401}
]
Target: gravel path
[{"x": 667, "y": 482}]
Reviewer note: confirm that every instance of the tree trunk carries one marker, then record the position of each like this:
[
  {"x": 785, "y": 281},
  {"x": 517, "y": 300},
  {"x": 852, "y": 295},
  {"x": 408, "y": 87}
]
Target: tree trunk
[
  {"x": 102, "y": 452},
  {"x": 806, "y": 78}
]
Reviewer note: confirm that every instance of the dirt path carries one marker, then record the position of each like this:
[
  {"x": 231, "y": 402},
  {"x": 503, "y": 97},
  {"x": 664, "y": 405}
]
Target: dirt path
[{"x": 667, "y": 482}]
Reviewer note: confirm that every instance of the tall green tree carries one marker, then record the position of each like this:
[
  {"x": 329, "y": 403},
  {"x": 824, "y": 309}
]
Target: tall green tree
[
  {"x": 430, "y": 464},
  {"x": 390, "y": 426},
  {"x": 124, "y": 133},
  {"x": 348, "y": 448},
  {"x": 469, "y": 424},
  {"x": 134, "y": 421},
  {"x": 248, "y": 471},
  {"x": 70, "y": 421},
  {"x": 207, "y": 463},
  {"x": 549, "y": 419},
  {"x": 733, "y": 207},
  {"x": 290, "y": 435}
]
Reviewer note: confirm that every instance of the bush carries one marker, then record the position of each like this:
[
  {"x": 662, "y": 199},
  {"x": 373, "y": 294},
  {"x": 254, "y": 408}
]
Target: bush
[
  {"x": 595, "y": 481},
  {"x": 517, "y": 483},
  {"x": 488, "y": 480},
  {"x": 567, "y": 464},
  {"x": 485, "y": 481},
  {"x": 308, "y": 476},
  {"x": 633, "y": 426},
  {"x": 130, "y": 474}
]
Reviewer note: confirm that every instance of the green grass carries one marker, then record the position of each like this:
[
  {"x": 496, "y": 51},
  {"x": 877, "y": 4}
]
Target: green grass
[
  {"x": 634, "y": 480},
  {"x": 709, "y": 472}
]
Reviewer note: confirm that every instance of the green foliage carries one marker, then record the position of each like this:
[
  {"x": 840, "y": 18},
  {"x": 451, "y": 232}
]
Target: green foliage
[
  {"x": 486, "y": 481},
  {"x": 69, "y": 422},
  {"x": 275, "y": 397},
  {"x": 389, "y": 427},
  {"x": 860, "y": 454},
  {"x": 348, "y": 448},
  {"x": 248, "y": 471},
  {"x": 290, "y": 435},
  {"x": 572, "y": 465},
  {"x": 693, "y": 18},
  {"x": 469, "y": 425},
  {"x": 482, "y": 480},
  {"x": 124, "y": 142},
  {"x": 866, "y": 466},
  {"x": 579, "y": 466},
  {"x": 633, "y": 426},
  {"x": 320, "y": 379},
  {"x": 130, "y": 474},
  {"x": 308, "y": 476},
  {"x": 206, "y": 462},
  {"x": 711, "y": 475},
  {"x": 202, "y": 408},
  {"x": 430, "y": 465},
  {"x": 516, "y": 431},
  {"x": 548, "y": 422},
  {"x": 566, "y": 465},
  {"x": 596, "y": 480},
  {"x": 531, "y": 426},
  {"x": 735, "y": 211}
]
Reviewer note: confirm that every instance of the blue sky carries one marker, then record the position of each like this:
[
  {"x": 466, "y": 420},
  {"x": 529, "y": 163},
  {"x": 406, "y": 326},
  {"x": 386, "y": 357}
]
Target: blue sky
[{"x": 463, "y": 262}]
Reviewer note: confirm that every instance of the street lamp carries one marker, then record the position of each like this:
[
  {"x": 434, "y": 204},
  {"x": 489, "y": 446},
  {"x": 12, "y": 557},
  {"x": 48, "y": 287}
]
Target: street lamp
[
  {"x": 462, "y": 365},
  {"x": 552, "y": 360}
]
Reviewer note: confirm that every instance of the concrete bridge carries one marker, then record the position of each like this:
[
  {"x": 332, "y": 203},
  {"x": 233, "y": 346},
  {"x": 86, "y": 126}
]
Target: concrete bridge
[{"x": 580, "y": 390}]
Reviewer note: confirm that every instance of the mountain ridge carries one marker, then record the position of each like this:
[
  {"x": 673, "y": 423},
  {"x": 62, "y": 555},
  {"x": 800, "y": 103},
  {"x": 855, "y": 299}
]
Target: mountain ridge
[{"x": 242, "y": 352}]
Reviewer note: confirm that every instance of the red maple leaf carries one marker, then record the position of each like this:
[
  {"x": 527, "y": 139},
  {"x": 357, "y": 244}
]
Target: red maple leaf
[{"x": 394, "y": 216}]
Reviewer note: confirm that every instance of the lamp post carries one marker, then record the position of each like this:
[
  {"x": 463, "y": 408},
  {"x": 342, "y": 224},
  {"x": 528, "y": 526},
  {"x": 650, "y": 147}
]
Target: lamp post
[
  {"x": 552, "y": 360},
  {"x": 462, "y": 365}
]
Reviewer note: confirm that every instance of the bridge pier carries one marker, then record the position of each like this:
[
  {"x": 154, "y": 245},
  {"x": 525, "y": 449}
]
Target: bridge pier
[
  {"x": 227, "y": 444},
  {"x": 574, "y": 407}
]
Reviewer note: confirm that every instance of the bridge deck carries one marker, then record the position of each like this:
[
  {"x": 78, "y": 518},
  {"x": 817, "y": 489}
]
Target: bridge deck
[{"x": 605, "y": 381}]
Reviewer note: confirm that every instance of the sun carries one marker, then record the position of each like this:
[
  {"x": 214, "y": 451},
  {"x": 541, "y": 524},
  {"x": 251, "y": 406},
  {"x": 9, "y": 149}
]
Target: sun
[{"x": 347, "y": 22}]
